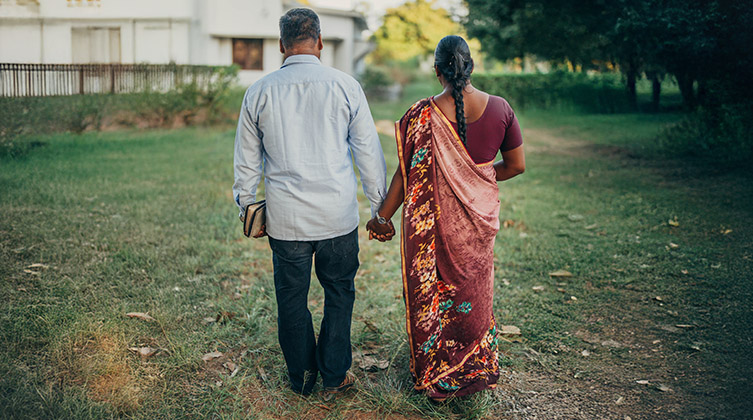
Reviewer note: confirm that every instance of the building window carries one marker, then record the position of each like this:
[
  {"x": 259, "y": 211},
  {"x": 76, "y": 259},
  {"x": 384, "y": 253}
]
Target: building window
[
  {"x": 95, "y": 45},
  {"x": 248, "y": 53}
]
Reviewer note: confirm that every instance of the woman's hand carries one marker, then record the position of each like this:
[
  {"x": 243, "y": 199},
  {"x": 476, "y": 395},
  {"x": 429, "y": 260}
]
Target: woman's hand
[{"x": 380, "y": 232}]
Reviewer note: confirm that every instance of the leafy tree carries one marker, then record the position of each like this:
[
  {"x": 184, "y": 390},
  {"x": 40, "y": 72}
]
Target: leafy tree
[
  {"x": 695, "y": 40},
  {"x": 556, "y": 30},
  {"x": 412, "y": 29}
]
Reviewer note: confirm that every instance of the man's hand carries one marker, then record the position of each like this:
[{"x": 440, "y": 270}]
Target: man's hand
[
  {"x": 262, "y": 232},
  {"x": 380, "y": 232}
]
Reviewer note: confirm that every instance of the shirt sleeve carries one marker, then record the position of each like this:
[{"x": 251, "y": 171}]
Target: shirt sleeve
[
  {"x": 248, "y": 157},
  {"x": 367, "y": 150}
]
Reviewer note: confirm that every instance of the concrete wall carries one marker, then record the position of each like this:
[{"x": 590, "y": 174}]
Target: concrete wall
[
  {"x": 237, "y": 18},
  {"x": 21, "y": 42}
]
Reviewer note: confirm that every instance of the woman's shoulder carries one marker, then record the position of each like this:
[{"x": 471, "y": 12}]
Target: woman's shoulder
[{"x": 500, "y": 107}]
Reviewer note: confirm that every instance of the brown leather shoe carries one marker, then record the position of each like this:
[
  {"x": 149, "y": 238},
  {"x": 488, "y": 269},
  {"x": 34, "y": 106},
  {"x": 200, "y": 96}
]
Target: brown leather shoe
[{"x": 347, "y": 383}]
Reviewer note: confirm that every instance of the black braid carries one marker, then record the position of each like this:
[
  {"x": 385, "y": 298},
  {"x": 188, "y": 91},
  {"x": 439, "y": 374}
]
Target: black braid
[
  {"x": 453, "y": 60},
  {"x": 457, "y": 93}
]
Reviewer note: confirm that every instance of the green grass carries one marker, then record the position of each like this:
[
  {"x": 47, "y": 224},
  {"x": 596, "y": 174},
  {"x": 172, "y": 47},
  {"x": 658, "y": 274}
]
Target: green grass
[{"x": 143, "y": 221}]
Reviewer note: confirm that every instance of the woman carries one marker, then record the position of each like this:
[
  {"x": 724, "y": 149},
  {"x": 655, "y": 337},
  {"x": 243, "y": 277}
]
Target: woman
[{"x": 447, "y": 183}]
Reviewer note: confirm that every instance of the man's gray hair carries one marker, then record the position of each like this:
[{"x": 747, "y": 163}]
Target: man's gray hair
[{"x": 298, "y": 25}]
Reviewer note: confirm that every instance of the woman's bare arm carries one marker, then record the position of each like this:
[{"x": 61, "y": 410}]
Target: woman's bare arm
[
  {"x": 395, "y": 196},
  {"x": 513, "y": 163}
]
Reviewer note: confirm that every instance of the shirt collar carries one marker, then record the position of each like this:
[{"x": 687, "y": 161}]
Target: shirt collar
[{"x": 301, "y": 59}]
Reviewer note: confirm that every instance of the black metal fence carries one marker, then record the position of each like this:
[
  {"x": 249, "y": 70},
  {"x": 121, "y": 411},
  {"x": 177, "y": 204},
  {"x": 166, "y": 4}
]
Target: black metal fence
[{"x": 78, "y": 79}]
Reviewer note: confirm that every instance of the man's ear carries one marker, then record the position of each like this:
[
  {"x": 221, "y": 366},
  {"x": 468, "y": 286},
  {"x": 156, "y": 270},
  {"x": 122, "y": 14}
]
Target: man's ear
[
  {"x": 282, "y": 49},
  {"x": 319, "y": 43}
]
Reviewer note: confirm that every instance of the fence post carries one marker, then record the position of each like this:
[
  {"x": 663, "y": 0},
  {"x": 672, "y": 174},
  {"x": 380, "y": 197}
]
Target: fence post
[
  {"x": 81, "y": 80},
  {"x": 15, "y": 79},
  {"x": 112, "y": 78}
]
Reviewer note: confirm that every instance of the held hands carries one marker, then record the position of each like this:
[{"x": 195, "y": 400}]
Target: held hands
[{"x": 380, "y": 232}]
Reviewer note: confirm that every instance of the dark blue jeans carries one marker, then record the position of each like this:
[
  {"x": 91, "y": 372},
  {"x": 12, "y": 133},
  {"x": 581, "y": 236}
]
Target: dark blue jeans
[{"x": 336, "y": 263}]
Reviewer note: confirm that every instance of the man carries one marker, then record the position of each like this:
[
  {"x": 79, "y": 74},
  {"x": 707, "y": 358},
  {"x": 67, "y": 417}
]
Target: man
[{"x": 304, "y": 122}]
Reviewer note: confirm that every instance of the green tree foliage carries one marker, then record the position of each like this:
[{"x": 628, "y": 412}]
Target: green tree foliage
[
  {"x": 556, "y": 30},
  {"x": 412, "y": 29},
  {"x": 697, "y": 41}
]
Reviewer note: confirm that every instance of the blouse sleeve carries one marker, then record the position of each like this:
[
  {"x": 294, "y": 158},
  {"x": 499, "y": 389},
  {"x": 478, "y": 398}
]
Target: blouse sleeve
[{"x": 513, "y": 136}]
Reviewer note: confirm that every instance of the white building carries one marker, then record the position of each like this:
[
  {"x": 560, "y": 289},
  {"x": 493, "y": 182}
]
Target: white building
[{"x": 210, "y": 32}]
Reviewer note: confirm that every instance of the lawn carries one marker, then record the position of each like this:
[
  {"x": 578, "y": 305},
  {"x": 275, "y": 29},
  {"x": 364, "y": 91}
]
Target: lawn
[{"x": 653, "y": 323}]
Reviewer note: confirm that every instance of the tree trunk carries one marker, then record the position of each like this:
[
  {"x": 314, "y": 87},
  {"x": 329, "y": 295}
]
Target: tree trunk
[
  {"x": 685, "y": 83},
  {"x": 702, "y": 93},
  {"x": 631, "y": 92},
  {"x": 655, "y": 91}
]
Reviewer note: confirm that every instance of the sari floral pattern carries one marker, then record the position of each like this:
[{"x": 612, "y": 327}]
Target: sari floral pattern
[{"x": 433, "y": 312}]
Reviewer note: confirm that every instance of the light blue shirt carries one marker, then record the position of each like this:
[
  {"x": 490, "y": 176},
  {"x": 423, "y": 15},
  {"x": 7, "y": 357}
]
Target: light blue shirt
[{"x": 302, "y": 127}]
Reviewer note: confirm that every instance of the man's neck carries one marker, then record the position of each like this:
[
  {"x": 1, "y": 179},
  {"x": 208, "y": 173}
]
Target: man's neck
[{"x": 290, "y": 54}]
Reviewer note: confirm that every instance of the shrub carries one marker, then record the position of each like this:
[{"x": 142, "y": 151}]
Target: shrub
[
  {"x": 722, "y": 133},
  {"x": 603, "y": 93},
  {"x": 376, "y": 81}
]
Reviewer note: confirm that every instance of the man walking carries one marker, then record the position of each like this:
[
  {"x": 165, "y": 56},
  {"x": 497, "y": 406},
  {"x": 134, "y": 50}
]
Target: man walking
[{"x": 299, "y": 127}]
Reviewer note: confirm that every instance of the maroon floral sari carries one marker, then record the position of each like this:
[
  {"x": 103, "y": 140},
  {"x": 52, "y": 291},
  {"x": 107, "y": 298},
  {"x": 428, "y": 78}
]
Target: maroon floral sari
[{"x": 450, "y": 220}]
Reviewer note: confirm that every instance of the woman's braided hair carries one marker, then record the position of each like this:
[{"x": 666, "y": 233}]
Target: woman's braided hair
[{"x": 453, "y": 60}]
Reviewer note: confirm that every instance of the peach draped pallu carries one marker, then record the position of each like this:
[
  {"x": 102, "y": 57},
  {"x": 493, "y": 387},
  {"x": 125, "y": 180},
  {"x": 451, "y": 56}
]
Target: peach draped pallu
[{"x": 450, "y": 220}]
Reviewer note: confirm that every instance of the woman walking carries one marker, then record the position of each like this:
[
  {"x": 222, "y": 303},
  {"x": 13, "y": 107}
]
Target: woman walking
[{"x": 447, "y": 183}]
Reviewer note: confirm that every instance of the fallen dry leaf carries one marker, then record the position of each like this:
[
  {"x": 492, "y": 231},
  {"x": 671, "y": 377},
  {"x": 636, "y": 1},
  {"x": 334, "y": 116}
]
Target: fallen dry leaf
[
  {"x": 619, "y": 400},
  {"x": 611, "y": 343},
  {"x": 726, "y": 231},
  {"x": 211, "y": 355},
  {"x": 684, "y": 271},
  {"x": 263, "y": 374},
  {"x": 144, "y": 351},
  {"x": 140, "y": 315},
  {"x": 642, "y": 382},
  {"x": 373, "y": 364},
  {"x": 684, "y": 326},
  {"x": 573, "y": 298},
  {"x": 509, "y": 330},
  {"x": 538, "y": 288},
  {"x": 673, "y": 245},
  {"x": 673, "y": 222},
  {"x": 38, "y": 265},
  {"x": 35, "y": 273},
  {"x": 560, "y": 273},
  {"x": 229, "y": 366},
  {"x": 209, "y": 320},
  {"x": 663, "y": 388},
  {"x": 585, "y": 353}
]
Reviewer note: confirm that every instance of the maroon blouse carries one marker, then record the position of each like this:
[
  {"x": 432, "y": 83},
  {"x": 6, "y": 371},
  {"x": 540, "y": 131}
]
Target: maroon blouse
[{"x": 496, "y": 129}]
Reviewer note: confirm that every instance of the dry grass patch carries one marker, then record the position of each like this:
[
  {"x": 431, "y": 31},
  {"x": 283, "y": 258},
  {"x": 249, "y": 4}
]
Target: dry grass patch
[{"x": 100, "y": 362}]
